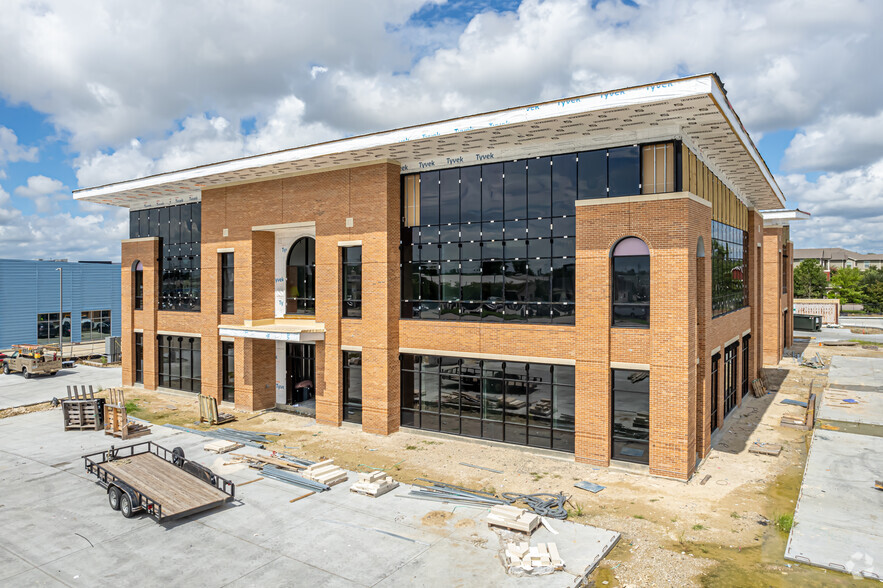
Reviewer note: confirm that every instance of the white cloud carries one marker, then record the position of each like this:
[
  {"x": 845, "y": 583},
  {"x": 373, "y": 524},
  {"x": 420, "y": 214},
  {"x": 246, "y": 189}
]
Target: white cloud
[
  {"x": 45, "y": 192},
  {"x": 8, "y": 214},
  {"x": 64, "y": 236},
  {"x": 837, "y": 143},
  {"x": 845, "y": 206},
  {"x": 11, "y": 151}
]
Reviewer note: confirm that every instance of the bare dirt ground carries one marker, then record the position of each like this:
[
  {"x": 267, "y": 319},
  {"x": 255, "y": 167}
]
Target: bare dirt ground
[{"x": 720, "y": 533}]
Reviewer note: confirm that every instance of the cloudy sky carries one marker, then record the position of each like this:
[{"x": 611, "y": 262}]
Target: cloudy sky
[{"x": 98, "y": 91}]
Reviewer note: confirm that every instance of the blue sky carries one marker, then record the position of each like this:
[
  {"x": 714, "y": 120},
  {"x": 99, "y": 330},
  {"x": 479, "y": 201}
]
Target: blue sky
[{"x": 95, "y": 92}]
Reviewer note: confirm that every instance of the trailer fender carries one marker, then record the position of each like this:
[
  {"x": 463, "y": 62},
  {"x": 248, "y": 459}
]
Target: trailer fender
[{"x": 124, "y": 488}]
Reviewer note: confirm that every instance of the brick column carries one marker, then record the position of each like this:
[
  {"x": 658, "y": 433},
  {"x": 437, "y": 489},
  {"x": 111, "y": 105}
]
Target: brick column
[
  {"x": 670, "y": 225},
  {"x": 145, "y": 250},
  {"x": 772, "y": 296}
]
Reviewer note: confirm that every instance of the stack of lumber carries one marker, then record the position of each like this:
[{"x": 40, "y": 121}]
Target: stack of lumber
[
  {"x": 514, "y": 518},
  {"x": 259, "y": 461},
  {"x": 81, "y": 410},
  {"x": 374, "y": 484},
  {"x": 221, "y": 446},
  {"x": 325, "y": 472},
  {"x": 544, "y": 555}
]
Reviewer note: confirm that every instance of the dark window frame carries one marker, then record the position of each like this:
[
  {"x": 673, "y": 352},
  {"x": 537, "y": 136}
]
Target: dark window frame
[
  {"x": 620, "y": 278},
  {"x": 351, "y": 267},
  {"x": 139, "y": 358},
  {"x": 46, "y": 322},
  {"x": 352, "y": 409},
  {"x": 228, "y": 371},
  {"x": 100, "y": 325},
  {"x": 624, "y": 437},
  {"x": 181, "y": 366},
  {"x": 715, "y": 385},
  {"x": 228, "y": 283},
  {"x": 729, "y": 255},
  {"x": 138, "y": 278},
  {"x": 731, "y": 355},
  {"x": 746, "y": 346},
  {"x": 304, "y": 279},
  {"x": 513, "y": 402}
]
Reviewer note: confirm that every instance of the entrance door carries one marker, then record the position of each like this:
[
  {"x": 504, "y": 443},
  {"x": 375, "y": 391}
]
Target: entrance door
[{"x": 300, "y": 371}]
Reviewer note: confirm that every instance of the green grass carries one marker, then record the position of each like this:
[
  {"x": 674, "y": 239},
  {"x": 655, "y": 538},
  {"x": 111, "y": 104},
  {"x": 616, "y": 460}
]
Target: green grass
[
  {"x": 411, "y": 447},
  {"x": 131, "y": 407},
  {"x": 784, "y": 522},
  {"x": 735, "y": 515},
  {"x": 865, "y": 342},
  {"x": 698, "y": 527},
  {"x": 638, "y": 517}
]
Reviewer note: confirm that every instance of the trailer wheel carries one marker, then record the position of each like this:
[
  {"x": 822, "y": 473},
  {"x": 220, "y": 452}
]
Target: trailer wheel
[
  {"x": 113, "y": 497},
  {"x": 178, "y": 456},
  {"x": 24, "y": 372},
  {"x": 126, "y": 506}
]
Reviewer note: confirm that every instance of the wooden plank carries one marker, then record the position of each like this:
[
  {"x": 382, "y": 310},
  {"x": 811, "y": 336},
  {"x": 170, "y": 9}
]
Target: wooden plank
[{"x": 173, "y": 488}]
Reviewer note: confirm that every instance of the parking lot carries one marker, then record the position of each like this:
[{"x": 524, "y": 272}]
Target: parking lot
[
  {"x": 15, "y": 390},
  {"x": 59, "y": 529}
]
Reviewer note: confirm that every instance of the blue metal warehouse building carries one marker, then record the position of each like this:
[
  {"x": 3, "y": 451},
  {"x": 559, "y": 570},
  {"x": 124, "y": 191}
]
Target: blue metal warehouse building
[{"x": 29, "y": 301}]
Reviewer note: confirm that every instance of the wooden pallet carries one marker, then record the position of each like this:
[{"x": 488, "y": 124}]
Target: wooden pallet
[
  {"x": 81, "y": 411},
  {"x": 116, "y": 421},
  {"x": 208, "y": 411}
]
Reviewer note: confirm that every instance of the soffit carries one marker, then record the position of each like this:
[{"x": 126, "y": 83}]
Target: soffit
[{"x": 692, "y": 109}]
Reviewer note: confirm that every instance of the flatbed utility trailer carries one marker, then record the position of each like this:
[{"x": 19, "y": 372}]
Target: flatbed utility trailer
[{"x": 162, "y": 483}]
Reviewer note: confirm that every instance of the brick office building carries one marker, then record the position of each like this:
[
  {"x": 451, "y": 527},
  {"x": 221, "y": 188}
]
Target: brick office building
[{"x": 591, "y": 275}]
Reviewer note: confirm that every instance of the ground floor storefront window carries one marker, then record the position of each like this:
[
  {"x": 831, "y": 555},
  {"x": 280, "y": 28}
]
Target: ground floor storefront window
[
  {"x": 180, "y": 362},
  {"x": 352, "y": 386},
  {"x": 515, "y": 402},
  {"x": 631, "y": 416}
]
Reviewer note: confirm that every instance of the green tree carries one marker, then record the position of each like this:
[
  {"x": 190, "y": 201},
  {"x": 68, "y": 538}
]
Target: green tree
[
  {"x": 809, "y": 279},
  {"x": 846, "y": 285},
  {"x": 873, "y": 296}
]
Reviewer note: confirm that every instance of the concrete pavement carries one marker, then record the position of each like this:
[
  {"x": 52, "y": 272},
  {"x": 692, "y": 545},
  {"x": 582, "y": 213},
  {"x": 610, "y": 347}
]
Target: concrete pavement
[
  {"x": 59, "y": 530},
  {"x": 16, "y": 391}
]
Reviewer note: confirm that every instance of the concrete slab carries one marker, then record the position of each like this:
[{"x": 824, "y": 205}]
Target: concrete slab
[
  {"x": 58, "y": 527},
  {"x": 862, "y": 408},
  {"x": 856, "y": 373},
  {"x": 16, "y": 391},
  {"x": 838, "y": 523}
]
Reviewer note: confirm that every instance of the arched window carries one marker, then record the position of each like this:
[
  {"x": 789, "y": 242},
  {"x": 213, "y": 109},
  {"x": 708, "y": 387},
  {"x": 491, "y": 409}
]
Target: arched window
[
  {"x": 138, "y": 277},
  {"x": 300, "y": 284},
  {"x": 631, "y": 283}
]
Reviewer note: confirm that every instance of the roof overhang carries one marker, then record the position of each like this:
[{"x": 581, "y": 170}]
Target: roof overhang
[
  {"x": 780, "y": 218},
  {"x": 292, "y": 331},
  {"x": 694, "y": 110}
]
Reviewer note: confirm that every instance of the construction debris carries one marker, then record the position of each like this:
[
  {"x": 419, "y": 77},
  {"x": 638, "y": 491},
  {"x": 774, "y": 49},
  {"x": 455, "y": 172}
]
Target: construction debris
[
  {"x": 374, "y": 484},
  {"x": 544, "y": 505},
  {"x": 250, "y": 438},
  {"x": 705, "y": 480},
  {"x": 760, "y": 448},
  {"x": 878, "y": 484},
  {"x": 804, "y": 422},
  {"x": 325, "y": 472},
  {"x": 529, "y": 559},
  {"x": 469, "y": 465},
  {"x": 442, "y": 492},
  {"x": 271, "y": 471},
  {"x": 222, "y": 446},
  {"x": 593, "y": 488},
  {"x": 816, "y": 362},
  {"x": 514, "y": 518},
  {"x": 758, "y": 390},
  {"x": 793, "y": 402}
]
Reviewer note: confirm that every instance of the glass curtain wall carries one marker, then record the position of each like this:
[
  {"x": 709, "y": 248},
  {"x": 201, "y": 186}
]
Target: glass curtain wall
[
  {"x": 729, "y": 268},
  {"x": 179, "y": 230},
  {"x": 521, "y": 403}
]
